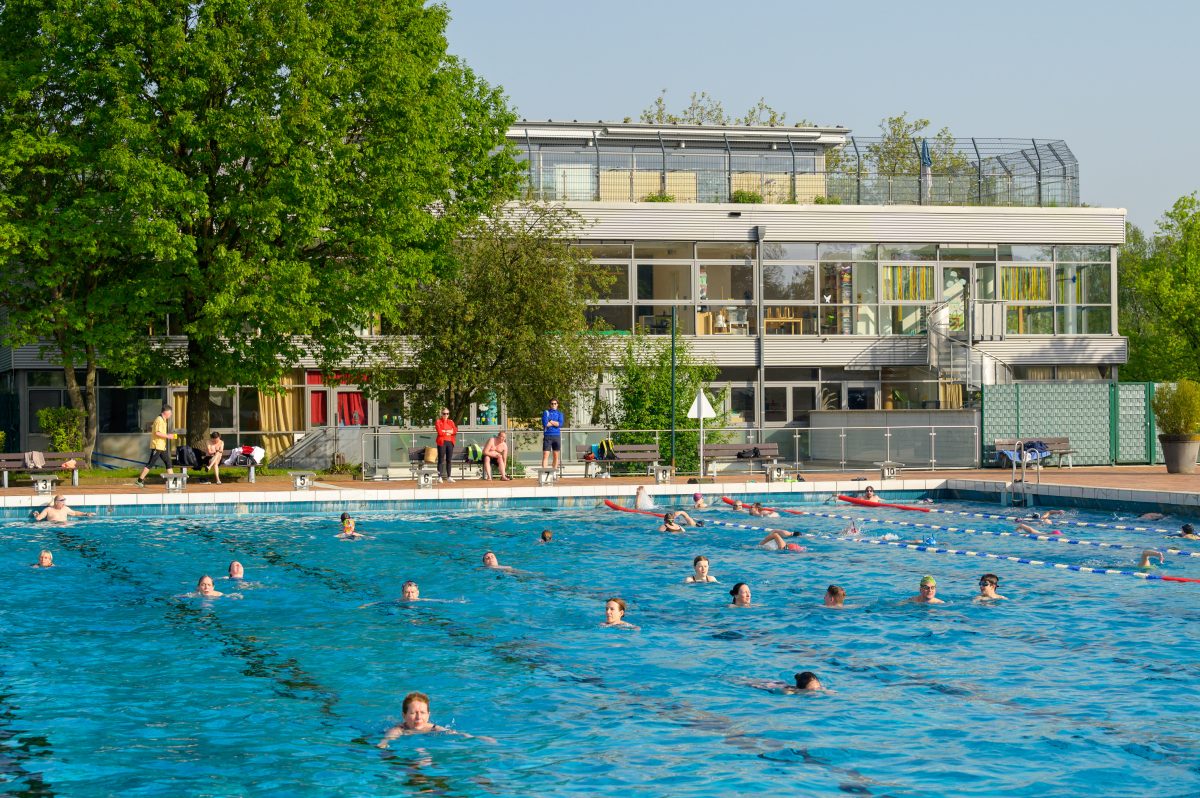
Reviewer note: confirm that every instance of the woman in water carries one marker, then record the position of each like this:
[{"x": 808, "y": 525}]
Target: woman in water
[
  {"x": 774, "y": 541},
  {"x": 205, "y": 589},
  {"x": 806, "y": 682},
  {"x": 758, "y": 511},
  {"x": 835, "y": 597},
  {"x": 614, "y": 614},
  {"x": 416, "y": 719},
  {"x": 348, "y": 532},
  {"x": 698, "y": 502},
  {"x": 987, "y": 588},
  {"x": 45, "y": 559},
  {"x": 700, "y": 571},
  {"x": 741, "y": 595},
  {"x": 236, "y": 571}
]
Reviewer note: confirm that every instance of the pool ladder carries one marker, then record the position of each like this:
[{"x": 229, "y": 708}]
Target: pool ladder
[{"x": 1019, "y": 493}]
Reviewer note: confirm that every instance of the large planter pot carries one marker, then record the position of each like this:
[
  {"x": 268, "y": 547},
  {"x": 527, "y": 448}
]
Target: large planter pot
[{"x": 1180, "y": 452}]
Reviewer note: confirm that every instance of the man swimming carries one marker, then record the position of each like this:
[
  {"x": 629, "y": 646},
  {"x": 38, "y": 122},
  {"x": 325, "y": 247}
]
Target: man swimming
[
  {"x": 758, "y": 511},
  {"x": 236, "y": 571},
  {"x": 806, "y": 682},
  {"x": 58, "y": 511},
  {"x": 869, "y": 495},
  {"x": 927, "y": 593},
  {"x": 490, "y": 561},
  {"x": 614, "y": 614},
  {"x": 205, "y": 589},
  {"x": 1145, "y": 565},
  {"x": 987, "y": 588},
  {"x": 1187, "y": 532}
]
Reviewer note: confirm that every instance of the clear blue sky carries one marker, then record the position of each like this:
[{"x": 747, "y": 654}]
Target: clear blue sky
[{"x": 1116, "y": 80}]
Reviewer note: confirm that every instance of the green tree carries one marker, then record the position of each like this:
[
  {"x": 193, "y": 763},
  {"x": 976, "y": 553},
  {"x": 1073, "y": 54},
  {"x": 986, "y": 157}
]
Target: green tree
[
  {"x": 508, "y": 318},
  {"x": 897, "y": 150},
  {"x": 289, "y": 168},
  {"x": 1159, "y": 282},
  {"x": 704, "y": 109},
  {"x": 643, "y": 382}
]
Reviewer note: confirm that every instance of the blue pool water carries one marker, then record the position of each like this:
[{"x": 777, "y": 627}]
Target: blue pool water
[{"x": 109, "y": 684}]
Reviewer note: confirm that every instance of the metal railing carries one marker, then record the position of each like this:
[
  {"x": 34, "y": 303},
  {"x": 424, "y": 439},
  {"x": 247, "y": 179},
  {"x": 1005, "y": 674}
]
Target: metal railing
[{"x": 385, "y": 454}]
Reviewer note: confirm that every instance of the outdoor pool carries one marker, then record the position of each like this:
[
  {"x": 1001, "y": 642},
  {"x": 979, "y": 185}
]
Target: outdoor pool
[{"x": 109, "y": 684}]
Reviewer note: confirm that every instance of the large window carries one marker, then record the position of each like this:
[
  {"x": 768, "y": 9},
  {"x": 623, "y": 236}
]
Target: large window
[
  {"x": 725, "y": 282},
  {"x": 664, "y": 281},
  {"x": 789, "y": 281},
  {"x": 618, "y": 289}
]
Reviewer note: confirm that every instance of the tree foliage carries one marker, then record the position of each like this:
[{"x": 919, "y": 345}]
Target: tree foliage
[
  {"x": 897, "y": 152},
  {"x": 508, "y": 317},
  {"x": 63, "y": 426},
  {"x": 1159, "y": 280},
  {"x": 285, "y": 169},
  {"x": 643, "y": 382},
  {"x": 704, "y": 109}
]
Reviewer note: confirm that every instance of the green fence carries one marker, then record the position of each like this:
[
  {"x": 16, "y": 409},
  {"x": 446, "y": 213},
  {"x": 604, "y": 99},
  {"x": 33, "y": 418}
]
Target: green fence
[{"x": 1106, "y": 422}]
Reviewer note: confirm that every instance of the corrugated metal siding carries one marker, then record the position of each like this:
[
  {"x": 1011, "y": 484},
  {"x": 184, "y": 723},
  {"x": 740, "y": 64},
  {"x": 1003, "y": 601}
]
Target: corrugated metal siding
[
  {"x": 6, "y": 361},
  {"x": 30, "y": 357},
  {"x": 843, "y": 350},
  {"x": 662, "y": 221},
  {"x": 1062, "y": 350}
]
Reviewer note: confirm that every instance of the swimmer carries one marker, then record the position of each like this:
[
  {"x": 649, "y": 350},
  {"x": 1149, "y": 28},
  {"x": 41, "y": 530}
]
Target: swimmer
[
  {"x": 700, "y": 571},
  {"x": 698, "y": 502},
  {"x": 869, "y": 495},
  {"x": 774, "y": 541},
  {"x": 641, "y": 500},
  {"x": 490, "y": 561},
  {"x": 741, "y": 595},
  {"x": 614, "y": 614},
  {"x": 1145, "y": 565},
  {"x": 348, "y": 532},
  {"x": 1151, "y": 517},
  {"x": 673, "y": 522},
  {"x": 416, "y": 720},
  {"x": 1187, "y": 532},
  {"x": 928, "y": 592},
  {"x": 58, "y": 511},
  {"x": 236, "y": 571},
  {"x": 835, "y": 597},
  {"x": 205, "y": 589},
  {"x": 1046, "y": 516},
  {"x": 547, "y": 536},
  {"x": 740, "y": 507},
  {"x": 806, "y": 682},
  {"x": 987, "y": 588},
  {"x": 45, "y": 559},
  {"x": 410, "y": 591},
  {"x": 758, "y": 511},
  {"x": 1023, "y": 527}
]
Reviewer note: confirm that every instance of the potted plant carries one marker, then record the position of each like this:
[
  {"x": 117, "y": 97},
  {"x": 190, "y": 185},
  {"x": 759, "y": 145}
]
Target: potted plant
[{"x": 1177, "y": 412}]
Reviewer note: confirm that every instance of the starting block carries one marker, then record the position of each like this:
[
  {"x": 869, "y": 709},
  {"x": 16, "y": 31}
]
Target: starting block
[
  {"x": 43, "y": 484},
  {"x": 776, "y": 472},
  {"x": 176, "y": 483},
  {"x": 546, "y": 476},
  {"x": 889, "y": 469},
  {"x": 426, "y": 475},
  {"x": 302, "y": 480},
  {"x": 661, "y": 473}
]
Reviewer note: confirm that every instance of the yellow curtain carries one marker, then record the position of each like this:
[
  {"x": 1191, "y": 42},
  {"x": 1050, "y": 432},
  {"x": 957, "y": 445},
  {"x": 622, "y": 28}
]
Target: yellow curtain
[
  {"x": 1079, "y": 373},
  {"x": 951, "y": 395},
  {"x": 282, "y": 414},
  {"x": 179, "y": 409},
  {"x": 1025, "y": 283}
]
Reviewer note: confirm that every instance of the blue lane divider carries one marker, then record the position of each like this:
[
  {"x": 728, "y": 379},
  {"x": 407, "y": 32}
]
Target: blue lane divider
[
  {"x": 1084, "y": 569},
  {"x": 1064, "y": 522},
  {"x": 1029, "y": 536}
]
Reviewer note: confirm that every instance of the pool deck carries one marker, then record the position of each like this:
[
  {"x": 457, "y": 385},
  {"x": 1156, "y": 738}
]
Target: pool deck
[{"x": 1137, "y": 485}]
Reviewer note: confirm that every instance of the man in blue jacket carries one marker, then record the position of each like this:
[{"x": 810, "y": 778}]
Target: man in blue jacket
[{"x": 552, "y": 421}]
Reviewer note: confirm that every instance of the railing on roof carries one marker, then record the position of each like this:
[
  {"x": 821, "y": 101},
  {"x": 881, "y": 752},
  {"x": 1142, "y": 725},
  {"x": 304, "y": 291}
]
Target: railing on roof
[{"x": 863, "y": 171}]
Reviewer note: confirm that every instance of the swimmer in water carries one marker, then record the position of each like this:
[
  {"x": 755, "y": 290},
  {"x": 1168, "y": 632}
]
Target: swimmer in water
[
  {"x": 410, "y": 591},
  {"x": 835, "y": 597},
  {"x": 58, "y": 511},
  {"x": 1145, "y": 565},
  {"x": 698, "y": 502},
  {"x": 806, "y": 682},
  {"x": 774, "y": 541},
  {"x": 236, "y": 571},
  {"x": 45, "y": 559},
  {"x": 490, "y": 561},
  {"x": 205, "y": 589},
  {"x": 869, "y": 495},
  {"x": 1151, "y": 517},
  {"x": 642, "y": 500},
  {"x": 348, "y": 532},
  {"x": 673, "y": 522},
  {"x": 416, "y": 720},
  {"x": 614, "y": 614},
  {"x": 1187, "y": 532},
  {"x": 1046, "y": 516},
  {"x": 547, "y": 536},
  {"x": 700, "y": 571},
  {"x": 987, "y": 588},
  {"x": 758, "y": 511},
  {"x": 740, "y": 594},
  {"x": 927, "y": 593}
]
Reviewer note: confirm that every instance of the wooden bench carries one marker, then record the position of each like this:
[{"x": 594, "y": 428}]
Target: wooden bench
[
  {"x": 418, "y": 466},
  {"x": 1059, "y": 446},
  {"x": 768, "y": 455},
  {"x": 54, "y": 462},
  {"x": 626, "y": 453},
  {"x": 251, "y": 476}
]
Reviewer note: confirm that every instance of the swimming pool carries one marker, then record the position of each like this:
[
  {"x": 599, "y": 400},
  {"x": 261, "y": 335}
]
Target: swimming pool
[{"x": 109, "y": 684}]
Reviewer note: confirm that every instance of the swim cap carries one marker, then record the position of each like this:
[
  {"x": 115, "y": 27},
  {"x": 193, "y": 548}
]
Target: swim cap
[
  {"x": 697, "y": 496},
  {"x": 928, "y": 580},
  {"x": 1188, "y": 529}
]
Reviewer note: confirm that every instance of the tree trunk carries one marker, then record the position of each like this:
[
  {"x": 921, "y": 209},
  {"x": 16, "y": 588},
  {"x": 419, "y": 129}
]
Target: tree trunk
[{"x": 85, "y": 399}]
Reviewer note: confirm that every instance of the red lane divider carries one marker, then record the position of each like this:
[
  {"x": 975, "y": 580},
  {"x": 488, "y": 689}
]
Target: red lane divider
[
  {"x": 865, "y": 503},
  {"x": 612, "y": 505}
]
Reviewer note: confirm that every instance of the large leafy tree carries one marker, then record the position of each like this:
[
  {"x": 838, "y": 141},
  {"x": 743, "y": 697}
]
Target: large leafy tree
[
  {"x": 509, "y": 319},
  {"x": 287, "y": 168},
  {"x": 1159, "y": 278}
]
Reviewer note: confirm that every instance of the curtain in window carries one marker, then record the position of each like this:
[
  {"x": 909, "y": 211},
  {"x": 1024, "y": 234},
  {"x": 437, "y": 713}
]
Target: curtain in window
[
  {"x": 1025, "y": 283},
  {"x": 281, "y": 415},
  {"x": 907, "y": 281},
  {"x": 1079, "y": 373},
  {"x": 950, "y": 395},
  {"x": 352, "y": 410}
]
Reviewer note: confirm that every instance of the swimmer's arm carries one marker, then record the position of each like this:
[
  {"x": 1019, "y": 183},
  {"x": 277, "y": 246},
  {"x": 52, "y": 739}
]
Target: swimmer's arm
[
  {"x": 77, "y": 512},
  {"x": 389, "y": 735},
  {"x": 42, "y": 515}
]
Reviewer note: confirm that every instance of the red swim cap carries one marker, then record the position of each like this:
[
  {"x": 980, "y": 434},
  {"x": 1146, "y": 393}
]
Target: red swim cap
[{"x": 795, "y": 547}]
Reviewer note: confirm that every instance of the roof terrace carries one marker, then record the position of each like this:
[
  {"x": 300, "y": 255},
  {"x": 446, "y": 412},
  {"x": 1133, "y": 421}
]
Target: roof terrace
[{"x": 623, "y": 162}]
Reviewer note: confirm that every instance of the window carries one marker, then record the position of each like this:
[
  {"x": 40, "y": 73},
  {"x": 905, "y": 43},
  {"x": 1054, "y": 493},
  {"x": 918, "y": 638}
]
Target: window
[
  {"x": 907, "y": 282},
  {"x": 726, "y": 251},
  {"x": 40, "y": 399},
  {"x": 1026, "y": 253},
  {"x": 847, "y": 251},
  {"x": 619, "y": 288},
  {"x": 778, "y": 250},
  {"x": 1083, "y": 283},
  {"x": 795, "y": 282},
  {"x": 908, "y": 252},
  {"x": 664, "y": 281},
  {"x": 1025, "y": 283},
  {"x": 615, "y": 317},
  {"x": 120, "y": 409},
  {"x": 1029, "y": 320},
  {"x": 598, "y": 250},
  {"x": 741, "y": 405},
  {"x": 663, "y": 250},
  {"x": 722, "y": 282},
  {"x": 656, "y": 320}
]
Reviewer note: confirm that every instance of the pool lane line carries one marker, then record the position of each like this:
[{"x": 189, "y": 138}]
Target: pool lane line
[
  {"x": 290, "y": 679},
  {"x": 1099, "y": 524},
  {"x": 967, "y": 530},
  {"x": 1086, "y": 569}
]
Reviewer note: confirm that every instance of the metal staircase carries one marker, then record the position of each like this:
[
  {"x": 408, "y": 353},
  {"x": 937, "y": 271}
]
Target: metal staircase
[{"x": 953, "y": 353}]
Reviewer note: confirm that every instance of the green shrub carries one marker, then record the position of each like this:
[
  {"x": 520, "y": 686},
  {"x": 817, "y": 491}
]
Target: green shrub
[
  {"x": 3, "y": 436},
  {"x": 64, "y": 427},
  {"x": 1177, "y": 408},
  {"x": 746, "y": 197},
  {"x": 822, "y": 200},
  {"x": 663, "y": 197}
]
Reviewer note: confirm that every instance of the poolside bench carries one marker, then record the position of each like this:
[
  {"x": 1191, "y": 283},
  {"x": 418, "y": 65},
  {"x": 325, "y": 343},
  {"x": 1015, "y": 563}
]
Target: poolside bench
[
  {"x": 54, "y": 462},
  {"x": 626, "y": 453},
  {"x": 1059, "y": 446},
  {"x": 767, "y": 454}
]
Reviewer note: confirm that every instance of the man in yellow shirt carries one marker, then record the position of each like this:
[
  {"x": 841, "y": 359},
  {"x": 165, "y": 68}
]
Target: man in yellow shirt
[{"x": 158, "y": 444}]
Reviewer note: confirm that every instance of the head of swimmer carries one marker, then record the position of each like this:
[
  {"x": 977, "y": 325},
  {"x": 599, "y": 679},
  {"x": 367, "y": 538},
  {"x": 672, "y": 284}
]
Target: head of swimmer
[
  {"x": 45, "y": 559},
  {"x": 547, "y": 536},
  {"x": 834, "y": 596},
  {"x": 410, "y": 591},
  {"x": 236, "y": 571},
  {"x": 668, "y": 518},
  {"x": 807, "y": 680},
  {"x": 700, "y": 566},
  {"x": 489, "y": 560},
  {"x": 416, "y": 711},
  {"x": 205, "y": 586},
  {"x": 869, "y": 492},
  {"x": 614, "y": 610},
  {"x": 928, "y": 587},
  {"x": 988, "y": 584},
  {"x": 741, "y": 594}
]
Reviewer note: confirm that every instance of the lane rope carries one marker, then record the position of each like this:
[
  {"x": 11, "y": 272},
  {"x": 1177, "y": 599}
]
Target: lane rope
[
  {"x": 969, "y": 531},
  {"x": 1101, "y": 525}
]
